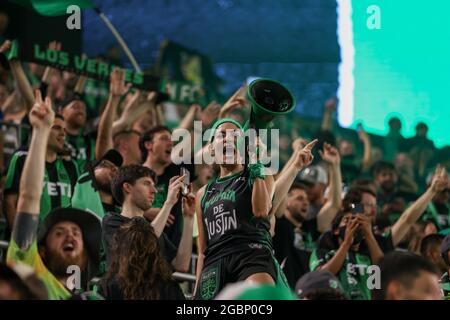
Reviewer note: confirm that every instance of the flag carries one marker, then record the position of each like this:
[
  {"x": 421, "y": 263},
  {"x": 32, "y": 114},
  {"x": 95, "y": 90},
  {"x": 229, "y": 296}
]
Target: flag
[
  {"x": 190, "y": 73},
  {"x": 53, "y": 7}
]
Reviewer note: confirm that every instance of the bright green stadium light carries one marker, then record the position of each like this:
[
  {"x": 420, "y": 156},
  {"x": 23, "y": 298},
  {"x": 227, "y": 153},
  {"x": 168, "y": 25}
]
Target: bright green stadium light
[{"x": 401, "y": 69}]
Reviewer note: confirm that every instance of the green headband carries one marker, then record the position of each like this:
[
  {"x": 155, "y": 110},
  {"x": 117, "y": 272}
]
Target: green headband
[{"x": 222, "y": 121}]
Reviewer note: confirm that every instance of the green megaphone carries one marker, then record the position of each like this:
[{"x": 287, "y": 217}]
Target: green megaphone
[{"x": 268, "y": 99}]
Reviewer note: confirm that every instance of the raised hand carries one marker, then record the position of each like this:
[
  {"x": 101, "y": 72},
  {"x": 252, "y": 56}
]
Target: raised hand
[
  {"x": 6, "y": 45},
  {"x": 41, "y": 115},
  {"x": 350, "y": 229},
  {"x": 440, "y": 180},
  {"x": 209, "y": 114},
  {"x": 173, "y": 193},
  {"x": 330, "y": 154},
  {"x": 189, "y": 204},
  {"x": 235, "y": 100},
  {"x": 330, "y": 105},
  {"x": 117, "y": 86},
  {"x": 365, "y": 224},
  {"x": 304, "y": 156},
  {"x": 298, "y": 143}
]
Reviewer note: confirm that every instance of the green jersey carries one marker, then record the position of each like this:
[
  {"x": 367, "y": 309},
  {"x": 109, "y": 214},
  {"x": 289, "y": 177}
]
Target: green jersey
[
  {"x": 353, "y": 274},
  {"x": 228, "y": 220},
  {"x": 82, "y": 148},
  {"x": 30, "y": 256},
  {"x": 59, "y": 181}
]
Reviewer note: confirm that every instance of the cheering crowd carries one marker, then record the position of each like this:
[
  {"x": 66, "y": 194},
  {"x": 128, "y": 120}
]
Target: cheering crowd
[{"x": 95, "y": 207}]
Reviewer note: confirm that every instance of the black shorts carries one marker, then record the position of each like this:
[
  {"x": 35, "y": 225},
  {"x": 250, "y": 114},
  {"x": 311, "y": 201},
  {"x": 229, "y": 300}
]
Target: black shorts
[{"x": 233, "y": 268}]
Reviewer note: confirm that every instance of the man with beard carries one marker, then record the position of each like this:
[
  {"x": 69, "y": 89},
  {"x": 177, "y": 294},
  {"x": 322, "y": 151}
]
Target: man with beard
[
  {"x": 295, "y": 235},
  {"x": 134, "y": 189},
  {"x": 67, "y": 237},
  {"x": 80, "y": 143},
  {"x": 59, "y": 179},
  {"x": 389, "y": 197}
]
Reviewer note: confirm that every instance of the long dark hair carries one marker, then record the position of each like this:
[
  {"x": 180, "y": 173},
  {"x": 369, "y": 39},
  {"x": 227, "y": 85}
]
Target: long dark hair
[{"x": 137, "y": 262}]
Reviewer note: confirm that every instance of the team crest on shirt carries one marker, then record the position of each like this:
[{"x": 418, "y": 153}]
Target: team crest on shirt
[{"x": 209, "y": 283}]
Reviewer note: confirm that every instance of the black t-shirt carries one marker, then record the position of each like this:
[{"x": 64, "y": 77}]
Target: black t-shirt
[
  {"x": 290, "y": 251},
  {"x": 176, "y": 229},
  {"x": 111, "y": 290},
  {"x": 112, "y": 221},
  {"x": 227, "y": 215}
]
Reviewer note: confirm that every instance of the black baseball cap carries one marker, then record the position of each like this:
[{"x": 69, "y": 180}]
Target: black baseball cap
[
  {"x": 111, "y": 155},
  {"x": 316, "y": 280}
]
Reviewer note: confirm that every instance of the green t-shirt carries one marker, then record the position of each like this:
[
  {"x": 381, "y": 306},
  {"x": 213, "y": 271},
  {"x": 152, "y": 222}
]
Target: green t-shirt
[
  {"x": 353, "y": 274},
  {"x": 30, "y": 256},
  {"x": 59, "y": 181},
  {"x": 82, "y": 148}
]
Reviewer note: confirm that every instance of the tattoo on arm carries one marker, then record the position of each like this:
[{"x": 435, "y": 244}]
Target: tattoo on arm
[{"x": 25, "y": 229}]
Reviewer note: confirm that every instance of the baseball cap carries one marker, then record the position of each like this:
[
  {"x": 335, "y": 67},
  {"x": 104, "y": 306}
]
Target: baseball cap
[
  {"x": 317, "y": 280},
  {"x": 111, "y": 155},
  {"x": 312, "y": 175}
]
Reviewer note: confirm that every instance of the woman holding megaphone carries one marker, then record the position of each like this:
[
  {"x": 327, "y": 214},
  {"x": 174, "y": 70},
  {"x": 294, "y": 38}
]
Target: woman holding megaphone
[{"x": 233, "y": 209}]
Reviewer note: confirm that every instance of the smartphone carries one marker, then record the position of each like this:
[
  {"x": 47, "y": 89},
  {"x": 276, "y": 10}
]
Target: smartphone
[
  {"x": 186, "y": 181},
  {"x": 357, "y": 208}
]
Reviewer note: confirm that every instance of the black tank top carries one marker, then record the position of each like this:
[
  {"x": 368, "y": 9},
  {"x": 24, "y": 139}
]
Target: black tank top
[{"x": 228, "y": 220}]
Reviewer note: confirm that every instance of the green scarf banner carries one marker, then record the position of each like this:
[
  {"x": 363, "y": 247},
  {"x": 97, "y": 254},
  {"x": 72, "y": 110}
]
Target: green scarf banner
[
  {"x": 92, "y": 68},
  {"x": 53, "y": 7}
]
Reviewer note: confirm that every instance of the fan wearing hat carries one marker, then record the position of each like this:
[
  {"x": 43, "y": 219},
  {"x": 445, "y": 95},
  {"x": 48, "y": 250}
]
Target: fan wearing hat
[
  {"x": 93, "y": 189},
  {"x": 319, "y": 285},
  {"x": 59, "y": 178},
  {"x": 67, "y": 236}
]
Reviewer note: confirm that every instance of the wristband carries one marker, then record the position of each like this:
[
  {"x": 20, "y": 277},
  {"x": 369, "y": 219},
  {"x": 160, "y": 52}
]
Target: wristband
[{"x": 256, "y": 170}]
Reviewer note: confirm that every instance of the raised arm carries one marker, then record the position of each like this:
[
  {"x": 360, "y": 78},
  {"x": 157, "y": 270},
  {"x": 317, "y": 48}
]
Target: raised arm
[
  {"x": 327, "y": 118},
  {"x": 235, "y": 101},
  {"x": 413, "y": 213},
  {"x": 31, "y": 183},
  {"x": 201, "y": 241},
  {"x": 326, "y": 214},
  {"x": 116, "y": 89},
  {"x": 134, "y": 110},
  {"x": 367, "y": 158},
  {"x": 159, "y": 222},
  {"x": 300, "y": 159},
  {"x": 183, "y": 259},
  {"x": 23, "y": 85},
  {"x": 334, "y": 265}
]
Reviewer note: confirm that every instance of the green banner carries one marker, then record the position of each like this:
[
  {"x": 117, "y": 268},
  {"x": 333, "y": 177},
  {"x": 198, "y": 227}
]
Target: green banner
[
  {"x": 53, "y": 7},
  {"x": 92, "y": 68},
  {"x": 190, "y": 74}
]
